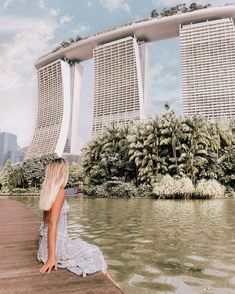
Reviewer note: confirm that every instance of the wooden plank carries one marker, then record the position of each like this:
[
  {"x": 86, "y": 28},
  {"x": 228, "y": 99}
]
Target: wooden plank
[{"x": 19, "y": 267}]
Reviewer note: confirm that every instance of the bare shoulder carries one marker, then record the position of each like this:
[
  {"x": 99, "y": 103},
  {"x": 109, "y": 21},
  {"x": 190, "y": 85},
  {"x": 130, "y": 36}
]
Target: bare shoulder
[{"x": 58, "y": 203}]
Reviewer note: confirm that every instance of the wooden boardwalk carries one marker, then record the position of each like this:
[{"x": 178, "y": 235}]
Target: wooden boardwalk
[{"x": 19, "y": 267}]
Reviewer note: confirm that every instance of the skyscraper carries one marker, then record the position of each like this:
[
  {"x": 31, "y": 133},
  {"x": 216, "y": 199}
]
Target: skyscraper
[
  {"x": 118, "y": 84},
  {"x": 8, "y": 147},
  {"x": 58, "y": 105},
  {"x": 208, "y": 68}
]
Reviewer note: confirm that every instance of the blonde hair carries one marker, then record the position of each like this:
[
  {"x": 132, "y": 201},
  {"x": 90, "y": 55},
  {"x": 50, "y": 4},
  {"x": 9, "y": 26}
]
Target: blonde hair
[{"x": 56, "y": 177}]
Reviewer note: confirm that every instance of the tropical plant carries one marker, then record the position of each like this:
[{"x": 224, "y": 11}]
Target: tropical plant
[
  {"x": 209, "y": 189},
  {"x": 106, "y": 156}
]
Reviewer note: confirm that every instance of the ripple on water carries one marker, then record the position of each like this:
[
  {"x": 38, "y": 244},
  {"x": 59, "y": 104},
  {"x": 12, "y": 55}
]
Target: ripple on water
[
  {"x": 197, "y": 258},
  {"x": 215, "y": 273},
  {"x": 151, "y": 270}
]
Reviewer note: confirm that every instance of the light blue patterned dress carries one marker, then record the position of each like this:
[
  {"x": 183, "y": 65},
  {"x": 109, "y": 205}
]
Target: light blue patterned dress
[{"x": 76, "y": 255}]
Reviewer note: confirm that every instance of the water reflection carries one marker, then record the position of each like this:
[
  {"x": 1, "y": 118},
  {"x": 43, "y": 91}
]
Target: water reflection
[{"x": 160, "y": 246}]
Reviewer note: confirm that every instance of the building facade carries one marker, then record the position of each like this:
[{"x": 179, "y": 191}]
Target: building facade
[
  {"x": 58, "y": 104},
  {"x": 120, "y": 56},
  {"x": 118, "y": 84},
  {"x": 208, "y": 68},
  {"x": 8, "y": 147}
]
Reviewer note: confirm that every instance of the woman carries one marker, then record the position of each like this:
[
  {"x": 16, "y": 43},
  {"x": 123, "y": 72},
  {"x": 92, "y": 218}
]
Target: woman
[{"x": 55, "y": 248}]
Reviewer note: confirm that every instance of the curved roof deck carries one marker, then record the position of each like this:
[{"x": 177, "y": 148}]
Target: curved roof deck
[{"x": 149, "y": 30}]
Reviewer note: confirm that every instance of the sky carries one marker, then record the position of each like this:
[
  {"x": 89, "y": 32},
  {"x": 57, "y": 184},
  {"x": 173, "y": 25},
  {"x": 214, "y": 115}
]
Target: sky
[{"x": 32, "y": 28}]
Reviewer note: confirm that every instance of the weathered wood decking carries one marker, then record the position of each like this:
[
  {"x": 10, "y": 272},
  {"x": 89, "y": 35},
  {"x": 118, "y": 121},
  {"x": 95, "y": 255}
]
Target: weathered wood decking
[{"x": 19, "y": 267}]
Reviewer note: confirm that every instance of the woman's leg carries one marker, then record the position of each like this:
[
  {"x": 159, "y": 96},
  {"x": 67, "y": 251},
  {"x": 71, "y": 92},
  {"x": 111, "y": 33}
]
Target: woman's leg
[{"x": 110, "y": 276}]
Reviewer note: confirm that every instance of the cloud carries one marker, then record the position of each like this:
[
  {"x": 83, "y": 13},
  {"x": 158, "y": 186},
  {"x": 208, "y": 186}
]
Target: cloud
[
  {"x": 11, "y": 24},
  {"x": 6, "y": 3},
  {"x": 112, "y": 5},
  {"x": 18, "y": 55},
  {"x": 66, "y": 18},
  {"x": 156, "y": 70},
  {"x": 157, "y": 77},
  {"x": 89, "y": 4},
  {"x": 80, "y": 29},
  {"x": 158, "y": 99},
  {"x": 51, "y": 11}
]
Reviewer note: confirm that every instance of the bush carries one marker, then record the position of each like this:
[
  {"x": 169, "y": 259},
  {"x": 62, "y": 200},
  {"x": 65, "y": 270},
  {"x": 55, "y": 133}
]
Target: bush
[
  {"x": 164, "y": 186},
  {"x": 117, "y": 188},
  {"x": 184, "y": 187},
  {"x": 19, "y": 190},
  {"x": 209, "y": 189},
  {"x": 167, "y": 188},
  {"x": 144, "y": 191}
]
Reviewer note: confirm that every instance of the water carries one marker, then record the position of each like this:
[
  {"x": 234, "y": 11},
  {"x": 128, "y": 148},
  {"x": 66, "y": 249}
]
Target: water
[{"x": 154, "y": 246}]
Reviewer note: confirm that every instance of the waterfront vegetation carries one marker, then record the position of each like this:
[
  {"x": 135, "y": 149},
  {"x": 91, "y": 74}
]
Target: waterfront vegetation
[{"x": 163, "y": 157}]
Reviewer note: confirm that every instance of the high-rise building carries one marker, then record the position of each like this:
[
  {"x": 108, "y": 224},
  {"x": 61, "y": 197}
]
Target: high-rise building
[
  {"x": 208, "y": 68},
  {"x": 118, "y": 84},
  {"x": 120, "y": 75},
  {"x": 56, "y": 128},
  {"x": 8, "y": 147}
]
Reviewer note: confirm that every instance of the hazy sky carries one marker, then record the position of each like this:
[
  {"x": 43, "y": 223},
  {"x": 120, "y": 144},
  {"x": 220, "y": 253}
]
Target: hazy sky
[{"x": 31, "y": 28}]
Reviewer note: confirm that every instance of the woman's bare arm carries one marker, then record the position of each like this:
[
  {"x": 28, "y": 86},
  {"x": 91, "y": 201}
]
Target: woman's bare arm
[{"x": 52, "y": 229}]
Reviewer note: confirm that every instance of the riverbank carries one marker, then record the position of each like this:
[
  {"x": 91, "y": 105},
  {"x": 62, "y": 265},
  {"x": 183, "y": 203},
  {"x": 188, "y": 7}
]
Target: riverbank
[{"x": 19, "y": 268}]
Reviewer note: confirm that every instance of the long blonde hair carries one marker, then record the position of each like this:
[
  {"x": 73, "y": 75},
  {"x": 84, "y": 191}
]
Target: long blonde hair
[{"x": 57, "y": 173}]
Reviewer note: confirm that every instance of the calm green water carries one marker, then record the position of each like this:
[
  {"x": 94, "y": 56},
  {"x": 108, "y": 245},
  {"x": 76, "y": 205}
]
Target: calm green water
[{"x": 154, "y": 246}]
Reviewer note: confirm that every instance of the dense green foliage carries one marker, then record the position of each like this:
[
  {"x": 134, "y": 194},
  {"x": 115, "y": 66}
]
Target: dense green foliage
[
  {"x": 180, "y": 8},
  {"x": 29, "y": 174},
  {"x": 191, "y": 147}
]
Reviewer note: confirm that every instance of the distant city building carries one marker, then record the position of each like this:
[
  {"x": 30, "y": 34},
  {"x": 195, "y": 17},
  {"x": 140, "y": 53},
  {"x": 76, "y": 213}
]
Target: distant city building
[
  {"x": 208, "y": 68},
  {"x": 20, "y": 153},
  {"x": 120, "y": 75},
  {"x": 8, "y": 147},
  {"x": 118, "y": 83}
]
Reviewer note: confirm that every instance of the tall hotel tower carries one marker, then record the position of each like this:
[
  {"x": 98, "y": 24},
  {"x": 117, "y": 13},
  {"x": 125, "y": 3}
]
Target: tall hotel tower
[
  {"x": 208, "y": 68},
  {"x": 119, "y": 83},
  {"x": 58, "y": 104},
  {"x": 120, "y": 66}
]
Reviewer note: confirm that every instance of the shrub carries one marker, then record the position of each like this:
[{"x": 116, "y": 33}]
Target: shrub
[
  {"x": 164, "y": 187},
  {"x": 184, "y": 187},
  {"x": 210, "y": 189},
  {"x": 19, "y": 190}
]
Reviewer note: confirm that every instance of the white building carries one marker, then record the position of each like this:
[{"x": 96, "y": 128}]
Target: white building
[
  {"x": 118, "y": 83},
  {"x": 120, "y": 75},
  {"x": 57, "y": 115},
  {"x": 208, "y": 68}
]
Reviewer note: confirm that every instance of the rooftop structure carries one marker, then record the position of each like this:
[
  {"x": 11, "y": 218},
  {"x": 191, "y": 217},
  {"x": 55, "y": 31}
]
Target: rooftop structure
[{"x": 148, "y": 30}]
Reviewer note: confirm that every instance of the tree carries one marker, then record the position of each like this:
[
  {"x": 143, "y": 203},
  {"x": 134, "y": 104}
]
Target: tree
[
  {"x": 5, "y": 172},
  {"x": 154, "y": 13},
  {"x": 107, "y": 156},
  {"x": 75, "y": 175},
  {"x": 193, "y": 6},
  {"x": 34, "y": 169}
]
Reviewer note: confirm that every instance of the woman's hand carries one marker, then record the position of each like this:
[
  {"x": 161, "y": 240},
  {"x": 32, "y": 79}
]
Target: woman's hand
[{"x": 49, "y": 265}]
